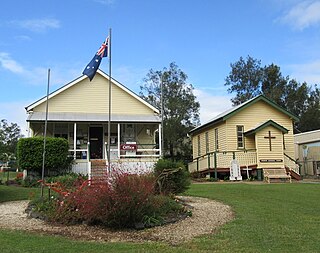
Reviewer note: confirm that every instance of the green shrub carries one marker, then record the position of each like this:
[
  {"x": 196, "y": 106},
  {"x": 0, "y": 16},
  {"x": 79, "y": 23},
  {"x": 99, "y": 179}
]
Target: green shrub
[
  {"x": 172, "y": 177},
  {"x": 30, "y": 155},
  {"x": 31, "y": 181},
  {"x": 68, "y": 181}
]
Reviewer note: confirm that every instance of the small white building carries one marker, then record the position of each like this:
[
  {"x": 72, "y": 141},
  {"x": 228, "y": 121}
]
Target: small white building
[{"x": 307, "y": 151}]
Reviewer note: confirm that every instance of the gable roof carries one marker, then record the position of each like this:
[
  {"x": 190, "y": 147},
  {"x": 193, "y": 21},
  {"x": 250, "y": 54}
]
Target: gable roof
[
  {"x": 263, "y": 125},
  {"x": 232, "y": 111},
  {"x": 79, "y": 79}
]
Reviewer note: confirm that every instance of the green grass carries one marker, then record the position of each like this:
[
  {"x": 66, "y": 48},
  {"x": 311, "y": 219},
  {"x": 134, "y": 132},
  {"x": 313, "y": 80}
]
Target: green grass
[
  {"x": 4, "y": 176},
  {"x": 269, "y": 218},
  {"x": 11, "y": 193}
]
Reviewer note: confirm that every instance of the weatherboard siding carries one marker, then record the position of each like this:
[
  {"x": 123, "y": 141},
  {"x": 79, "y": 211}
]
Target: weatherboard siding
[
  {"x": 250, "y": 117},
  {"x": 264, "y": 152},
  {"x": 92, "y": 97},
  {"x": 212, "y": 140}
]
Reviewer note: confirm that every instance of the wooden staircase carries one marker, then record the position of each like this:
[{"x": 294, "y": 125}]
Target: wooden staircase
[
  {"x": 293, "y": 174},
  {"x": 98, "y": 169}
]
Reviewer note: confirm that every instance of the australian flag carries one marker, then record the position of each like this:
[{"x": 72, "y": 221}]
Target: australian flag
[{"x": 94, "y": 64}]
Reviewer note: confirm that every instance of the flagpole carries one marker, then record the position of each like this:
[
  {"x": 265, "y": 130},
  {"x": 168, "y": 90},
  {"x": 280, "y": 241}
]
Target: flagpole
[
  {"x": 161, "y": 94},
  {"x": 45, "y": 135},
  {"x": 109, "y": 117}
]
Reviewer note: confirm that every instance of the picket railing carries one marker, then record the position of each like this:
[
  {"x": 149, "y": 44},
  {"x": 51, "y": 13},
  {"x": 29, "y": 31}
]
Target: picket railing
[{"x": 223, "y": 160}]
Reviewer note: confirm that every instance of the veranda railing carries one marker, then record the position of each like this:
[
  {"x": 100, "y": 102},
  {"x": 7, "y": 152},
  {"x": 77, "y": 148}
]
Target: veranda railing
[{"x": 222, "y": 159}]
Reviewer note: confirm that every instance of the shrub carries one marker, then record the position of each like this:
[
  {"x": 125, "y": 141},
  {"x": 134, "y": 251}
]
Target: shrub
[
  {"x": 68, "y": 181},
  {"x": 30, "y": 154},
  {"x": 131, "y": 197},
  {"x": 172, "y": 177},
  {"x": 121, "y": 201},
  {"x": 31, "y": 181}
]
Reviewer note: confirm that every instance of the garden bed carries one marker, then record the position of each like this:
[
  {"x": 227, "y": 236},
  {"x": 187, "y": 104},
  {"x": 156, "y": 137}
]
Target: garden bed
[{"x": 207, "y": 217}]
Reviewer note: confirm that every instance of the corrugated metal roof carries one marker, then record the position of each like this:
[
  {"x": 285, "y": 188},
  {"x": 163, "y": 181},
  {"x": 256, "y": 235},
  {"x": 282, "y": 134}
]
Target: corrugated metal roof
[
  {"x": 220, "y": 116},
  {"x": 91, "y": 117}
]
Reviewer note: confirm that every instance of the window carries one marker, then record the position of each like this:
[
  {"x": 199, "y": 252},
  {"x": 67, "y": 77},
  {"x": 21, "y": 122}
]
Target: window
[
  {"x": 207, "y": 142},
  {"x": 199, "y": 147},
  {"x": 61, "y": 130},
  {"x": 216, "y": 138},
  {"x": 240, "y": 139}
]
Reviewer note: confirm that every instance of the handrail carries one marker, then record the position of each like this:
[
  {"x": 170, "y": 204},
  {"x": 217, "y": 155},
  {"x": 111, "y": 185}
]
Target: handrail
[
  {"x": 225, "y": 152},
  {"x": 290, "y": 158},
  {"x": 297, "y": 169}
]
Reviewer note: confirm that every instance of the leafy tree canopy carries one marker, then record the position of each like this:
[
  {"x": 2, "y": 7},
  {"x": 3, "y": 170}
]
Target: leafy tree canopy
[
  {"x": 248, "y": 79},
  {"x": 9, "y": 136},
  {"x": 180, "y": 108}
]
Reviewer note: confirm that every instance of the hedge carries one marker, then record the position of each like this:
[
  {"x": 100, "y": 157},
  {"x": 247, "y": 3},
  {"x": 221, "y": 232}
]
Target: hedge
[
  {"x": 172, "y": 177},
  {"x": 30, "y": 154}
]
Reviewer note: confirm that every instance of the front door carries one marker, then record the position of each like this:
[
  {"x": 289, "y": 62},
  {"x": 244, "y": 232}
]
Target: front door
[{"x": 96, "y": 142}]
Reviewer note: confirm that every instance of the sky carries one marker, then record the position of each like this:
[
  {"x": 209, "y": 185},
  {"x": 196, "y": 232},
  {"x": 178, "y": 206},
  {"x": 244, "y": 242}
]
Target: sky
[{"x": 202, "y": 37}]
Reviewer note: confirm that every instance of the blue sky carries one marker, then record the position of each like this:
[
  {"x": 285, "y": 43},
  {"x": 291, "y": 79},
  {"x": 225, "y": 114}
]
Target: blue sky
[{"x": 203, "y": 37}]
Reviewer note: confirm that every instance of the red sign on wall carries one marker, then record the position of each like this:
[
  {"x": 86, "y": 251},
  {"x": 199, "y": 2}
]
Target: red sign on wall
[{"x": 128, "y": 147}]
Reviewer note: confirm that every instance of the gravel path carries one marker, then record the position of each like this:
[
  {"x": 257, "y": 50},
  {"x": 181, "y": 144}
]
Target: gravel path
[{"x": 207, "y": 216}]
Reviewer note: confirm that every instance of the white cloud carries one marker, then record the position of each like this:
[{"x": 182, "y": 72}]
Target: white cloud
[
  {"x": 105, "y": 2},
  {"x": 23, "y": 38},
  {"x": 37, "y": 25},
  {"x": 8, "y": 63},
  {"x": 33, "y": 75},
  {"x": 306, "y": 72},
  {"x": 129, "y": 76},
  {"x": 61, "y": 73},
  {"x": 302, "y": 15},
  {"x": 211, "y": 105}
]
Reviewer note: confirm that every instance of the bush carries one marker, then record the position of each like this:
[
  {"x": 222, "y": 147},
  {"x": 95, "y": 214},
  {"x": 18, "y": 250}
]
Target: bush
[
  {"x": 172, "y": 177},
  {"x": 30, "y": 155},
  {"x": 122, "y": 201},
  {"x": 31, "y": 181},
  {"x": 69, "y": 181}
]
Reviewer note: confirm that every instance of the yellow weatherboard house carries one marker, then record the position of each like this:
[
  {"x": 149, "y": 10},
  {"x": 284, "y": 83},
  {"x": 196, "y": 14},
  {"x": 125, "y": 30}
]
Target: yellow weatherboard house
[
  {"x": 78, "y": 112},
  {"x": 254, "y": 139}
]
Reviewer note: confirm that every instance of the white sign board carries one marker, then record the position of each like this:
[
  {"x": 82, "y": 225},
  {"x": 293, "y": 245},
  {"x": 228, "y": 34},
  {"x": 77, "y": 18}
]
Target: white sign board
[{"x": 235, "y": 172}]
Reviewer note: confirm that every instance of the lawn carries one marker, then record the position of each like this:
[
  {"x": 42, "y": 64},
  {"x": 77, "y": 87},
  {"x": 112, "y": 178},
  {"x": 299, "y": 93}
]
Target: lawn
[
  {"x": 11, "y": 193},
  {"x": 4, "y": 176},
  {"x": 269, "y": 218}
]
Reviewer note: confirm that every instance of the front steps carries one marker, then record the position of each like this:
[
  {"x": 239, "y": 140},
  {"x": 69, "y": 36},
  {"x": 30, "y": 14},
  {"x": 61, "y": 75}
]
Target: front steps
[
  {"x": 98, "y": 169},
  {"x": 293, "y": 174}
]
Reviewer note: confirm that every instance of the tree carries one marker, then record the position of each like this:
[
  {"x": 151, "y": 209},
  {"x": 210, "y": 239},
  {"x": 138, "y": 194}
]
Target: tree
[
  {"x": 273, "y": 84},
  {"x": 248, "y": 79},
  {"x": 180, "y": 108},
  {"x": 296, "y": 97},
  {"x": 9, "y": 136},
  {"x": 244, "y": 79},
  {"x": 310, "y": 119}
]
